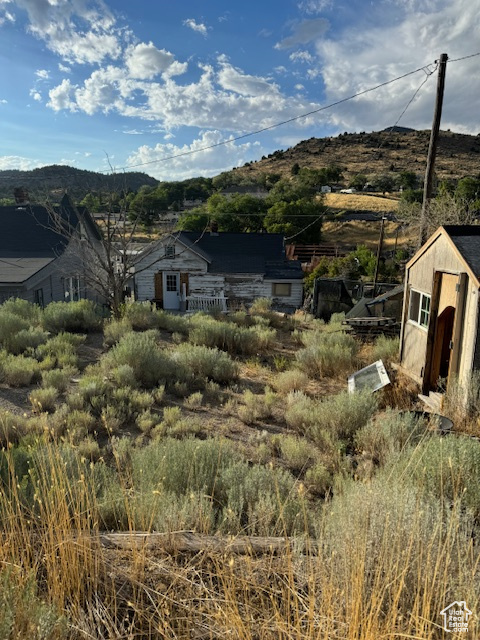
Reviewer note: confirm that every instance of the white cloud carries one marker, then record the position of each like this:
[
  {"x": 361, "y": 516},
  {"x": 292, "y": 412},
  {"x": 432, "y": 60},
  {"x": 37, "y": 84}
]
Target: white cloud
[
  {"x": 3, "y": 101},
  {"x": 205, "y": 163},
  {"x": 364, "y": 56},
  {"x": 304, "y": 32},
  {"x": 18, "y": 162},
  {"x": 61, "y": 97},
  {"x": 315, "y": 6},
  {"x": 301, "y": 56},
  {"x": 199, "y": 27},
  {"x": 64, "y": 69},
  {"x": 80, "y": 31},
  {"x": 36, "y": 95},
  {"x": 233, "y": 79},
  {"x": 299, "y": 87},
  {"x": 145, "y": 61},
  {"x": 43, "y": 74}
]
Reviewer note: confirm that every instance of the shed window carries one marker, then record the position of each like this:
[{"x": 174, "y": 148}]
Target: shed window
[
  {"x": 281, "y": 289},
  {"x": 170, "y": 251},
  {"x": 419, "y": 310}
]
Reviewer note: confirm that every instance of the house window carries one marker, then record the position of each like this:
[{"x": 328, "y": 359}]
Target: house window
[
  {"x": 72, "y": 288},
  {"x": 170, "y": 251},
  {"x": 38, "y": 297},
  {"x": 171, "y": 282},
  {"x": 281, "y": 289},
  {"x": 419, "y": 309}
]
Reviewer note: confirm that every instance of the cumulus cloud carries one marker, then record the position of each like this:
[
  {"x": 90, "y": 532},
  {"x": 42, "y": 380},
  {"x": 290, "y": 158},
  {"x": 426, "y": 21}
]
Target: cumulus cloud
[
  {"x": 199, "y": 27},
  {"x": 301, "y": 56},
  {"x": 3, "y": 101},
  {"x": 315, "y": 6},
  {"x": 145, "y": 61},
  {"x": 43, "y": 74},
  {"x": 304, "y": 32},
  {"x": 206, "y": 163},
  {"x": 224, "y": 98},
  {"x": 64, "y": 69},
  {"x": 18, "y": 162},
  {"x": 81, "y": 31},
  {"x": 364, "y": 56},
  {"x": 36, "y": 95}
]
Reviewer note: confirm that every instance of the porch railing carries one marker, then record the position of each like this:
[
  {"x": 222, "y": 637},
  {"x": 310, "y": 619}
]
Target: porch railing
[{"x": 207, "y": 303}]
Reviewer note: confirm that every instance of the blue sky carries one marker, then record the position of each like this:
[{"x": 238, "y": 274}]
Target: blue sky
[{"x": 98, "y": 84}]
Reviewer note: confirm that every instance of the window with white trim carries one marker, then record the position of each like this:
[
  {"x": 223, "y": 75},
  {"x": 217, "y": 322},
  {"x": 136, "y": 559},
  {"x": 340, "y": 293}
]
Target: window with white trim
[
  {"x": 281, "y": 289},
  {"x": 71, "y": 287},
  {"x": 419, "y": 308}
]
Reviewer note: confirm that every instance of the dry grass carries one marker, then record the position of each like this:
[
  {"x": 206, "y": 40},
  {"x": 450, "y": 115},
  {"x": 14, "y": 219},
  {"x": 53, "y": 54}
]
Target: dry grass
[
  {"x": 377, "y": 203},
  {"x": 359, "y": 232}
]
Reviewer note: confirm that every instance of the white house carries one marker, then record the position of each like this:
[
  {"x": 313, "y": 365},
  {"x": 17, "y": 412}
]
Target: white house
[{"x": 188, "y": 266}]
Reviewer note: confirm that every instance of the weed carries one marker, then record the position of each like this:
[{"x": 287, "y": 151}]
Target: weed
[
  {"x": 43, "y": 400},
  {"x": 292, "y": 380}
]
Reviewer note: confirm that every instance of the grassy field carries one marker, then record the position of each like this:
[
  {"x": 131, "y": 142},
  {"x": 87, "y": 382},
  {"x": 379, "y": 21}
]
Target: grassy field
[
  {"x": 375, "y": 203},
  {"x": 366, "y": 520}
]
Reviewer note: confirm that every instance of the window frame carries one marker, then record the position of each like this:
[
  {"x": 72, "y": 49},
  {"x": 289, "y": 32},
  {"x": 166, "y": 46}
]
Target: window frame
[
  {"x": 169, "y": 251},
  {"x": 282, "y": 284},
  {"x": 423, "y": 310}
]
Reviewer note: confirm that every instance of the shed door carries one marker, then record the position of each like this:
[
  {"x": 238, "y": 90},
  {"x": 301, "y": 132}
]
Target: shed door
[{"x": 171, "y": 290}]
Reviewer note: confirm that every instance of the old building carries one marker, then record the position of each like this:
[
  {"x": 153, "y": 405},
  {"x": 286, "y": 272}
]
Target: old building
[
  {"x": 234, "y": 268},
  {"x": 440, "y": 335}
]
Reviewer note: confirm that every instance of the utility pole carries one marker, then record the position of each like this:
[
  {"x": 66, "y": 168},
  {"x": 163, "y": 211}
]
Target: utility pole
[
  {"x": 379, "y": 253},
  {"x": 432, "y": 149}
]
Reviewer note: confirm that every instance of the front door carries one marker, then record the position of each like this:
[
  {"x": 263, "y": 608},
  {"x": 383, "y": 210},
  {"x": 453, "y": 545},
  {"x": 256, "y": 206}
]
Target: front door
[{"x": 171, "y": 290}]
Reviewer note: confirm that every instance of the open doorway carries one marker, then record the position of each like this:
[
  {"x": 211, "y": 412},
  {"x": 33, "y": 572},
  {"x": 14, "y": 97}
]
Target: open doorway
[{"x": 442, "y": 346}]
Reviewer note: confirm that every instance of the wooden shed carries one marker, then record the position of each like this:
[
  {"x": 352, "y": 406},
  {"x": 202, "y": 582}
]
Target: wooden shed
[{"x": 440, "y": 335}]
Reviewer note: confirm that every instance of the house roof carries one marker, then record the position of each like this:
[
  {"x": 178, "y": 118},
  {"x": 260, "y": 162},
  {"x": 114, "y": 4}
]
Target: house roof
[
  {"x": 29, "y": 242},
  {"x": 465, "y": 240},
  {"x": 243, "y": 253}
]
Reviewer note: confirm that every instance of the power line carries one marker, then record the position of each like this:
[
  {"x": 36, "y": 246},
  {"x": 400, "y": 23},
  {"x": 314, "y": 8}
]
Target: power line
[{"x": 472, "y": 55}]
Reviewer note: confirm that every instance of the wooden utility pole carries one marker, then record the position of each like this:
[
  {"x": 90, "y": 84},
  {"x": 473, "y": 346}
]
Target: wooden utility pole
[
  {"x": 379, "y": 253},
  {"x": 432, "y": 149}
]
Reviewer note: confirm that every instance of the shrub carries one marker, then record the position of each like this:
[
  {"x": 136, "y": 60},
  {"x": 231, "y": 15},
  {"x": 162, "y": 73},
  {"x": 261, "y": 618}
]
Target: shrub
[
  {"x": 78, "y": 316},
  {"x": 140, "y": 315},
  {"x": 27, "y": 340},
  {"x": 10, "y": 325},
  {"x": 319, "y": 478},
  {"x": 291, "y": 380},
  {"x": 296, "y": 452},
  {"x": 172, "y": 323},
  {"x": 261, "y": 305},
  {"x": 17, "y": 371},
  {"x": 204, "y": 362},
  {"x": 22, "y": 309},
  {"x": 114, "y": 330},
  {"x": 80, "y": 422},
  {"x": 256, "y": 407},
  {"x": 386, "y": 349},
  {"x": 12, "y": 428},
  {"x": 57, "y": 378},
  {"x": 141, "y": 352},
  {"x": 327, "y": 354},
  {"x": 194, "y": 401},
  {"x": 209, "y": 332},
  {"x": 60, "y": 350},
  {"x": 341, "y": 415},
  {"x": 389, "y": 433},
  {"x": 43, "y": 400},
  {"x": 124, "y": 376}
]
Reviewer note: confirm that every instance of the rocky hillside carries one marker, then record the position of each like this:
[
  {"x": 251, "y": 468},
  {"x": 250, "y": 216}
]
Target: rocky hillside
[{"x": 458, "y": 155}]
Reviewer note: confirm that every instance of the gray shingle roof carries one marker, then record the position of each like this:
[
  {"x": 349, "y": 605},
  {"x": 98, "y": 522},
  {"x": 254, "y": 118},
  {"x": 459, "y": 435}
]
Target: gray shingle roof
[
  {"x": 467, "y": 240},
  {"x": 243, "y": 253}
]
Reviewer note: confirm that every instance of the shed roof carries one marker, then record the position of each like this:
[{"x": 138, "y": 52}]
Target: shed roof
[{"x": 262, "y": 253}]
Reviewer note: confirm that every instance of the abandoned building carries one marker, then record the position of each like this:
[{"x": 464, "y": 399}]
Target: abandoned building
[{"x": 440, "y": 334}]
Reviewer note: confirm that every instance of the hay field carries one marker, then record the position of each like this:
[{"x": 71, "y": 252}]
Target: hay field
[{"x": 375, "y": 203}]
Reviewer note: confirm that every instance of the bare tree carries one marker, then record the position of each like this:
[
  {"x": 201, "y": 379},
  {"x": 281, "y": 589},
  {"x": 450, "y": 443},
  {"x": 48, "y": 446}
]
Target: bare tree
[{"x": 105, "y": 251}]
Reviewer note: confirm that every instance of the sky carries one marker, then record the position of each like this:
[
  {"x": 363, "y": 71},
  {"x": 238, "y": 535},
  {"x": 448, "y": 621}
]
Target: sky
[{"x": 116, "y": 85}]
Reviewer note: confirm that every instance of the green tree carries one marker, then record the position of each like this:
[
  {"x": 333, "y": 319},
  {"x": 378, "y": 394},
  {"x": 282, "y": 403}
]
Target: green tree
[
  {"x": 300, "y": 219},
  {"x": 358, "y": 181},
  {"x": 408, "y": 180}
]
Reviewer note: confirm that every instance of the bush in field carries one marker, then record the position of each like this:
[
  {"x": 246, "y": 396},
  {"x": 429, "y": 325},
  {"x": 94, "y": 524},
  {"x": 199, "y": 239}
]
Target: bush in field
[
  {"x": 22, "y": 309},
  {"x": 386, "y": 349},
  {"x": 12, "y": 427},
  {"x": 327, "y": 354},
  {"x": 27, "y": 340},
  {"x": 261, "y": 305},
  {"x": 297, "y": 452},
  {"x": 60, "y": 351},
  {"x": 340, "y": 416},
  {"x": 204, "y": 362},
  {"x": 17, "y": 371},
  {"x": 114, "y": 330},
  {"x": 43, "y": 400},
  {"x": 226, "y": 336},
  {"x": 80, "y": 422},
  {"x": 256, "y": 407},
  {"x": 140, "y": 351},
  {"x": 140, "y": 315},
  {"x": 388, "y": 433},
  {"x": 291, "y": 380},
  {"x": 10, "y": 325},
  {"x": 124, "y": 376},
  {"x": 172, "y": 322},
  {"x": 78, "y": 316},
  {"x": 58, "y": 378}
]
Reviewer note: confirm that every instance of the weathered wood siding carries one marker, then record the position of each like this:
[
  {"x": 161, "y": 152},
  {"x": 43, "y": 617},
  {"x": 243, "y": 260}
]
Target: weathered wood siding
[
  {"x": 440, "y": 256},
  {"x": 285, "y": 303},
  {"x": 185, "y": 261},
  {"x": 206, "y": 284}
]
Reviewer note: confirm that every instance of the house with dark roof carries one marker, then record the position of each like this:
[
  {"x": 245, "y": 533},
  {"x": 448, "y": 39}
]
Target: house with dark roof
[
  {"x": 440, "y": 334},
  {"x": 36, "y": 258},
  {"x": 235, "y": 268}
]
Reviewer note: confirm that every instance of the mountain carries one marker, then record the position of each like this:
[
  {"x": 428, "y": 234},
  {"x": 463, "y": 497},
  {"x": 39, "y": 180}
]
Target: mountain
[
  {"x": 54, "y": 180},
  {"x": 394, "y": 150}
]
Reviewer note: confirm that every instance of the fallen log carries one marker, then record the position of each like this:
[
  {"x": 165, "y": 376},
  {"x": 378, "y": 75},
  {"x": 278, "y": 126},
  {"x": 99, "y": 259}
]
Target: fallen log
[{"x": 191, "y": 542}]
